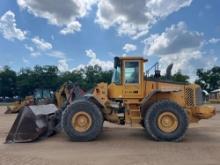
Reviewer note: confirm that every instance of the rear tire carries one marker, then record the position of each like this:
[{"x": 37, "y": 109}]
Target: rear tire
[
  {"x": 166, "y": 121},
  {"x": 82, "y": 121}
]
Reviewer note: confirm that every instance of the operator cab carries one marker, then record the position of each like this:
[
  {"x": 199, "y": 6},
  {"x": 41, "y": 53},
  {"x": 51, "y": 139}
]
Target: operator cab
[{"x": 127, "y": 79}]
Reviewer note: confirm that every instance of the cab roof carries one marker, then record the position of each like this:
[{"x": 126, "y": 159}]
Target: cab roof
[{"x": 133, "y": 58}]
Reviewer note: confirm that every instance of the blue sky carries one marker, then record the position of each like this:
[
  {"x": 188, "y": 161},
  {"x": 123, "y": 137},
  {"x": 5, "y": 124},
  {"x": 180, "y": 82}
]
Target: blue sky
[{"x": 75, "y": 33}]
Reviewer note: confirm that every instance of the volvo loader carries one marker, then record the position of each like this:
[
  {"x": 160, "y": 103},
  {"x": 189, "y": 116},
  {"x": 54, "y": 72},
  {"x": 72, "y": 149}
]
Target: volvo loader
[{"x": 162, "y": 107}]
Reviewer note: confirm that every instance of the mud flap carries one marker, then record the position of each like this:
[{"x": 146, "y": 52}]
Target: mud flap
[{"x": 33, "y": 123}]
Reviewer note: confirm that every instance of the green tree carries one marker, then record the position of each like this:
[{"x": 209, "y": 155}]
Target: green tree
[
  {"x": 45, "y": 77},
  {"x": 93, "y": 75},
  {"x": 75, "y": 76},
  {"x": 106, "y": 76},
  {"x": 27, "y": 80},
  {"x": 179, "y": 77},
  {"x": 7, "y": 82},
  {"x": 86, "y": 77},
  {"x": 25, "y": 85},
  {"x": 209, "y": 79}
]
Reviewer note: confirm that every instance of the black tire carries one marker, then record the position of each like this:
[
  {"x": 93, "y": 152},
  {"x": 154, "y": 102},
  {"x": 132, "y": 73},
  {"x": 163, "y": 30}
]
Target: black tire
[
  {"x": 95, "y": 114},
  {"x": 151, "y": 124}
]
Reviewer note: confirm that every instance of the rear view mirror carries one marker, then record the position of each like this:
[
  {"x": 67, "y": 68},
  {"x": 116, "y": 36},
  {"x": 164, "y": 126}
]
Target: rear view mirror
[{"x": 117, "y": 62}]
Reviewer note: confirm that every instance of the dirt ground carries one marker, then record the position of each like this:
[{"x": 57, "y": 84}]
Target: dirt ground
[{"x": 117, "y": 145}]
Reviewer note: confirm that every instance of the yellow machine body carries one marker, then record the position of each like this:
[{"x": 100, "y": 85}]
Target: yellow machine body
[{"x": 139, "y": 96}]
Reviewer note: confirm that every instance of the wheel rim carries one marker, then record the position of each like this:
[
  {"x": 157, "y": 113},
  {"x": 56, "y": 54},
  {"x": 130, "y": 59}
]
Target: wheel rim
[
  {"x": 81, "y": 121},
  {"x": 167, "y": 122}
]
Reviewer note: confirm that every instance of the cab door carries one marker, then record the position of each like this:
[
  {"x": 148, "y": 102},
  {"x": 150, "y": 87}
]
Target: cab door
[{"x": 132, "y": 82}]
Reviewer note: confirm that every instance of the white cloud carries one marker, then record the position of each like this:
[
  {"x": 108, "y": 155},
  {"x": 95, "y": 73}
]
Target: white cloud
[
  {"x": 183, "y": 60},
  {"x": 57, "y": 54},
  {"x": 180, "y": 46},
  {"x": 214, "y": 40},
  {"x": 63, "y": 65},
  {"x": 8, "y": 27},
  {"x": 163, "y": 8},
  {"x": 60, "y": 13},
  {"x": 90, "y": 53},
  {"x": 42, "y": 47},
  {"x": 135, "y": 18},
  {"x": 35, "y": 54},
  {"x": 188, "y": 62},
  {"x": 71, "y": 28},
  {"x": 30, "y": 48},
  {"x": 175, "y": 39},
  {"x": 41, "y": 44},
  {"x": 106, "y": 65},
  {"x": 129, "y": 47}
]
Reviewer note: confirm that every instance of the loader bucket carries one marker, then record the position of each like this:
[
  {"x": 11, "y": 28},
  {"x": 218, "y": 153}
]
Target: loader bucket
[{"x": 32, "y": 123}]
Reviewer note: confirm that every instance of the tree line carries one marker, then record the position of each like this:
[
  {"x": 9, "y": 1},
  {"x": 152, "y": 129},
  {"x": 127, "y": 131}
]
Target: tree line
[
  {"x": 27, "y": 80},
  {"x": 24, "y": 82},
  {"x": 209, "y": 80}
]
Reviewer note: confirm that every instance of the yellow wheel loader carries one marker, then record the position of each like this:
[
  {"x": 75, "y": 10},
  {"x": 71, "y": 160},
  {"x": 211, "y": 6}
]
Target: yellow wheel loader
[
  {"x": 15, "y": 107},
  {"x": 43, "y": 97},
  {"x": 164, "y": 108},
  {"x": 40, "y": 97}
]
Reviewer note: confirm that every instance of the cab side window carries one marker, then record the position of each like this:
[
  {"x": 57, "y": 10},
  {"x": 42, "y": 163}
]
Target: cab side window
[{"x": 132, "y": 72}]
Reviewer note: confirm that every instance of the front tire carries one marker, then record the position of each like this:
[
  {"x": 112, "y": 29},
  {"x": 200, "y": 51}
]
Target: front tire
[
  {"x": 82, "y": 121},
  {"x": 166, "y": 121}
]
